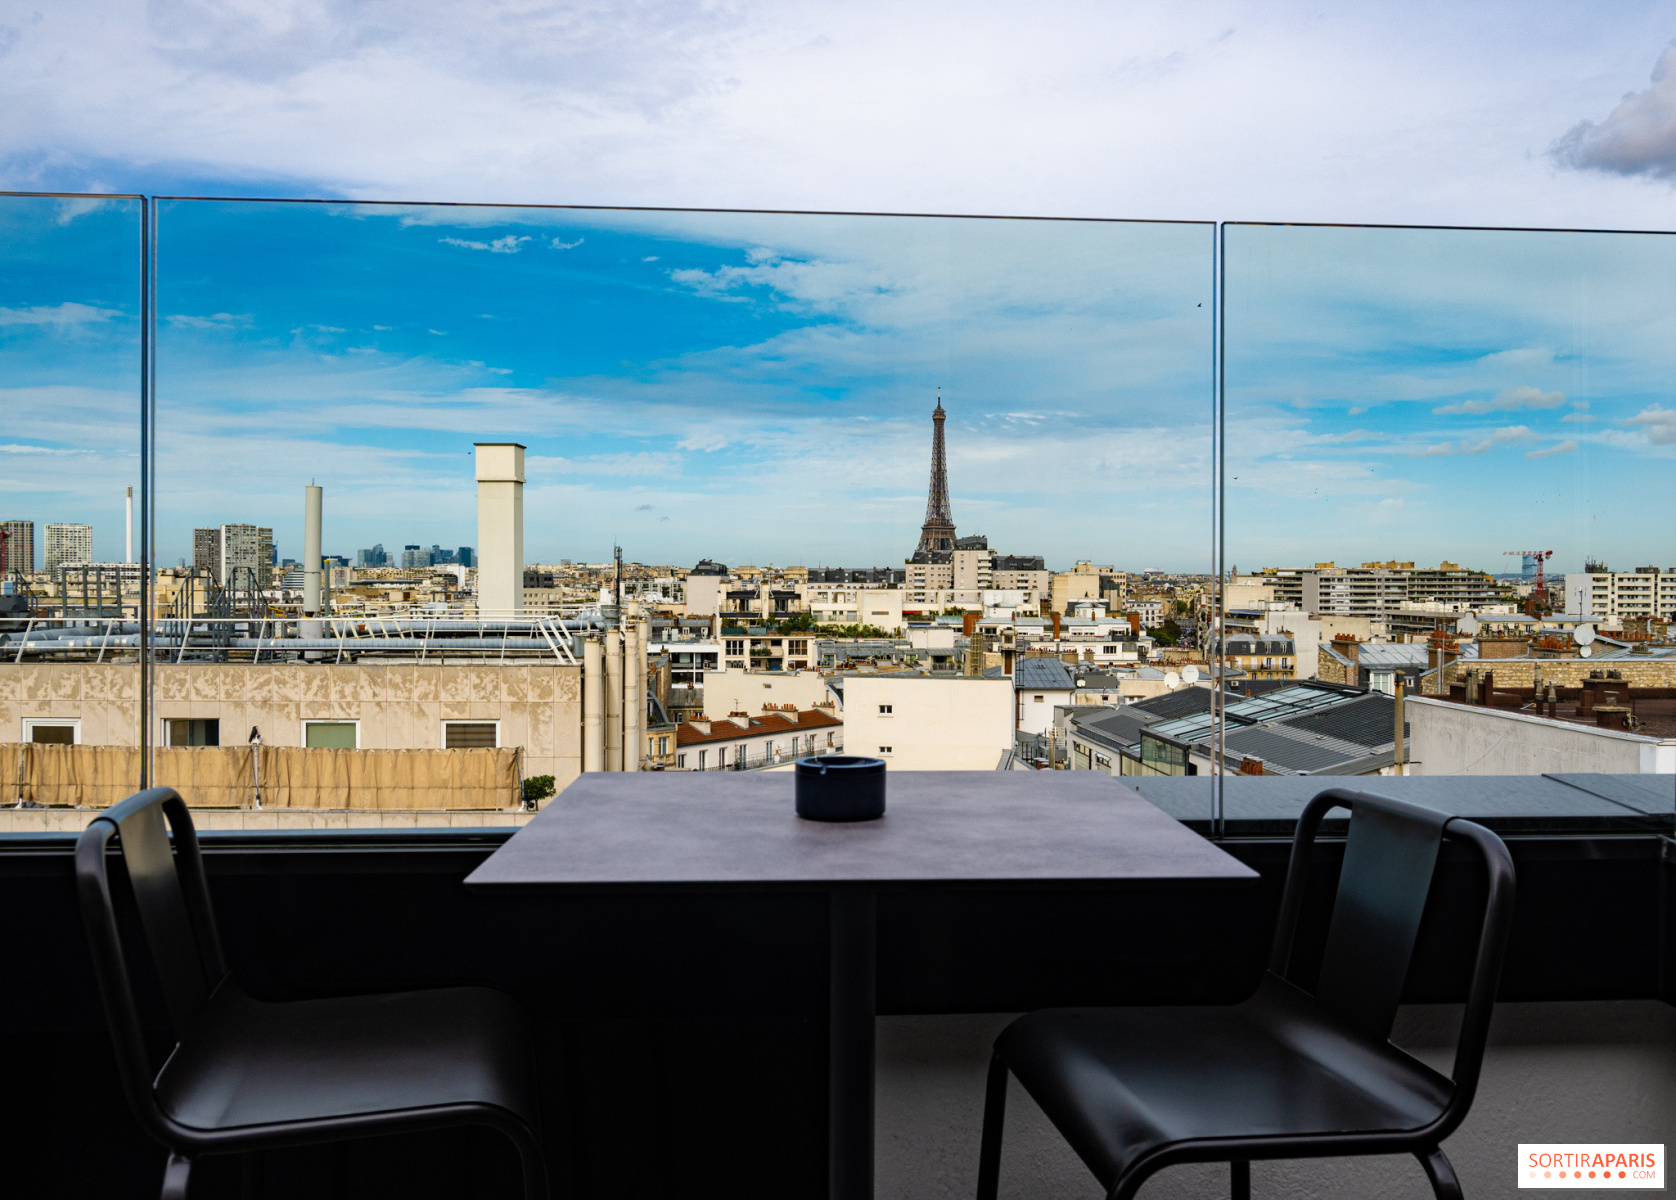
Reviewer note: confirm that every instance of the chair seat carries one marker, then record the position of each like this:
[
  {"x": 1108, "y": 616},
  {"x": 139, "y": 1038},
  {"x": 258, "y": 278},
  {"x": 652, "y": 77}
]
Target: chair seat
[
  {"x": 1119, "y": 1083},
  {"x": 251, "y": 1063}
]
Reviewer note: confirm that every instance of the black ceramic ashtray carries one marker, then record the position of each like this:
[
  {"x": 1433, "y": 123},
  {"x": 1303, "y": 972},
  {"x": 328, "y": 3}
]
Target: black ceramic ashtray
[{"x": 841, "y": 787}]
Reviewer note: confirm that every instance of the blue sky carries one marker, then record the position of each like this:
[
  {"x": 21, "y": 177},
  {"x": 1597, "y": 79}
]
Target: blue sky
[
  {"x": 756, "y": 387},
  {"x": 747, "y": 387},
  {"x": 1429, "y": 394}
]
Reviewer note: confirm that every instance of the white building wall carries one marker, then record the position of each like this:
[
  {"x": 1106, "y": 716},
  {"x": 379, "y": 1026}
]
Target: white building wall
[
  {"x": 1035, "y": 708},
  {"x": 956, "y": 724},
  {"x": 1455, "y": 739}
]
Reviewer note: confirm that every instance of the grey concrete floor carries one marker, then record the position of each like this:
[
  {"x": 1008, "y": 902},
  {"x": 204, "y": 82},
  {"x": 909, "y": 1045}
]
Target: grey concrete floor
[{"x": 1570, "y": 1072}]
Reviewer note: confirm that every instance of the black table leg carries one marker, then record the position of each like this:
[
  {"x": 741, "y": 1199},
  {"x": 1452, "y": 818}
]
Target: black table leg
[{"x": 850, "y": 1012}]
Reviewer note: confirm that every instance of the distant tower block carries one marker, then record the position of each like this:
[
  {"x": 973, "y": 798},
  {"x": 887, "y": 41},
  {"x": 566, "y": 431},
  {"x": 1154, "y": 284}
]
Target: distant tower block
[
  {"x": 500, "y": 527},
  {"x": 936, "y": 536}
]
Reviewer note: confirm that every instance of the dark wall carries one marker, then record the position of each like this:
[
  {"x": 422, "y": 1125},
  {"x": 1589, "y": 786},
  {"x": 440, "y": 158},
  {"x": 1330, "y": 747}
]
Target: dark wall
[{"x": 682, "y": 1036}]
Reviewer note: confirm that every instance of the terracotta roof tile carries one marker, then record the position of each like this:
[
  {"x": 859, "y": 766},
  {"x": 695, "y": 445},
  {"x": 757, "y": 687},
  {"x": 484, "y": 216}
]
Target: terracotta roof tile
[{"x": 768, "y": 723}]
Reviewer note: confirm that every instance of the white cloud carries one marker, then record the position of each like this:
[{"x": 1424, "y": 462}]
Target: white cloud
[
  {"x": 1565, "y": 447},
  {"x": 1507, "y": 400},
  {"x": 510, "y": 244},
  {"x": 62, "y": 315},
  {"x": 214, "y": 321},
  {"x": 1659, "y": 423},
  {"x": 1577, "y": 418},
  {"x": 1510, "y": 434},
  {"x": 1420, "y": 112},
  {"x": 1638, "y": 137},
  {"x": 561, "y": 244}
]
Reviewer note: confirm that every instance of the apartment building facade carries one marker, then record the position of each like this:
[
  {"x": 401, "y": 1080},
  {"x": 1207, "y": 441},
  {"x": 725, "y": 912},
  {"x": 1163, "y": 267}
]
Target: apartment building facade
[
  {"x": 1643, "y": 592},
  {"x": 67, "y": 543}
]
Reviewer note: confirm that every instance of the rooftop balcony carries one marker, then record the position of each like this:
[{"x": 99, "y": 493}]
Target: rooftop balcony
[{"x": 682, "y": 1045}]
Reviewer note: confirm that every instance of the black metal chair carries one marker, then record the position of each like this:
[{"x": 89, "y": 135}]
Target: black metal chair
[
  {"x": 248, "y": 1075},
  {"x": 1284, "y": 1074}
]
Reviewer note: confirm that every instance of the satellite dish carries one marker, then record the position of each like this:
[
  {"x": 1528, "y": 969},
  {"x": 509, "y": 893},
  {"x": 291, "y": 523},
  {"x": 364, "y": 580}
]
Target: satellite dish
[
  {"x": 1171, "y": 680},
  {"x": 1586, "y": 651},
  {"x": 1583, "y": 635},
  {"x": 1190, "y": 675},
  {"x": 1467, "y": 625}
]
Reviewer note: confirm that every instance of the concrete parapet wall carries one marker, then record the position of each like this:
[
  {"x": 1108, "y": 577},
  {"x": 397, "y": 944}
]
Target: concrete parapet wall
[
  {"x": 1565, "y": 672},
  {"x": 1459, "y": 739},
  {"x": 280, "y": 820},
  {"x": 398, "y": 706}
]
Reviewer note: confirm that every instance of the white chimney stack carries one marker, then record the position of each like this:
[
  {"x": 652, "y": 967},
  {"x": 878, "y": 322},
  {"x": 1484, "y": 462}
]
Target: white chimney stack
[
  {"x": 500, "y": 528},
  {"x": 311, "y": 551},
  {"x": 130, "y": 557}
]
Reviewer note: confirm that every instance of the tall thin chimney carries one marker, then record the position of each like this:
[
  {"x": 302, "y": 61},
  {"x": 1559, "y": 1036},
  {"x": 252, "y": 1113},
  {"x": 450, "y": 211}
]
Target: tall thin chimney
[
  {"x": 129, "y": 557},
  {"x": 311, "y": 551},
  {"x": 500, "y": 527}
]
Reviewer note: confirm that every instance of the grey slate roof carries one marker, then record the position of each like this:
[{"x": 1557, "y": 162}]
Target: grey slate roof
[
  {"x": 1116, "y": 727},
  {"x": 1366, "y": 721},
  {"x": 1290, "y": 754},
  {"x": 1043, "y": 673},
  {"x": 1184, "y": 702}
]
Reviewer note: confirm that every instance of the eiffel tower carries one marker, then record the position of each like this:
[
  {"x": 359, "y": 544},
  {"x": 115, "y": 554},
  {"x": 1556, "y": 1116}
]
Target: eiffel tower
[{"x": 936, "y": 536}]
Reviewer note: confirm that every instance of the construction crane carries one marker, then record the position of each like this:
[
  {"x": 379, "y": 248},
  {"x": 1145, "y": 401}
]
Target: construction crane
[{"x": 1540, "y": 556}]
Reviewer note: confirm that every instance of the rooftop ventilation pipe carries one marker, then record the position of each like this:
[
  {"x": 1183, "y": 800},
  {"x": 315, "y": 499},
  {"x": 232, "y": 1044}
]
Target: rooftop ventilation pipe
[
  {"x": 593, "y": 703},
  {"x": 613, "y": 707}
]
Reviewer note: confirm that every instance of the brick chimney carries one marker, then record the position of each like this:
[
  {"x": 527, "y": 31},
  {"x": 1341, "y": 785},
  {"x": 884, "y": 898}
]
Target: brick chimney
[
  {"x": 1349, "y": 645},
  {"x": 1055, "y": 626}
]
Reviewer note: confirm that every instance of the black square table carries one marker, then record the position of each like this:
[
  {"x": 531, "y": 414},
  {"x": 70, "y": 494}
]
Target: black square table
[{"x": 689, "y": 830}]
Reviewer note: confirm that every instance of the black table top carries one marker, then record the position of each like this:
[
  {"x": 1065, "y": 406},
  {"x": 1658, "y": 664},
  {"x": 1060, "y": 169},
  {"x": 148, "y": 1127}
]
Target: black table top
[{"x": 729, "y": 827}]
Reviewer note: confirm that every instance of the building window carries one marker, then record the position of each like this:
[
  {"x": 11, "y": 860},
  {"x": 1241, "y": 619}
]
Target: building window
[
  {"x": 734, "y": 646},
  {"x": 737, "y": 664},
  {"x": 52, "y": 731},
  {"x": 797, "y": 647},
  {"x": 1037, "y": 699},
  {"x": 884, "y": 749},
  {"x": 701, "y": 756},
  {"x": 470, "y": 735},
  {"x": 193, "y": 731},
  {"x": 663, "y": 745},
  {"x": 332, "y": 735},
  {"x": 681, "y": 762},
  {"x": 721, "y": 757},
  {"x": 885, "y": 710}
]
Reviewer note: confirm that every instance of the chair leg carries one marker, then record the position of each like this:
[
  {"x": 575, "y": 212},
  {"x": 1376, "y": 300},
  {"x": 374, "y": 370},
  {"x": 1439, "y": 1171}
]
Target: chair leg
[
  {"x": 534, "y": 1164},
  {"x": 1239, "y": 1179},
  {"x": 1441, "y": 1174},
  {"x": 176, "y": 1175},
  {"x": 994, "y": 1115}
]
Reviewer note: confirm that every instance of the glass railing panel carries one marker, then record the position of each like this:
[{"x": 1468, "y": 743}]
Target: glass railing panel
[
  {"x": 746, "y": 404},
  {"x": 1449, "y": 469},
  {"x": 70, "y": 495}
]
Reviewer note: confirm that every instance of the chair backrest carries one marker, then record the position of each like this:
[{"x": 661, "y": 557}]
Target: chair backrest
[
  {"x": 172, "y": 897},
  {"x": 1389, "y": 860}
]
